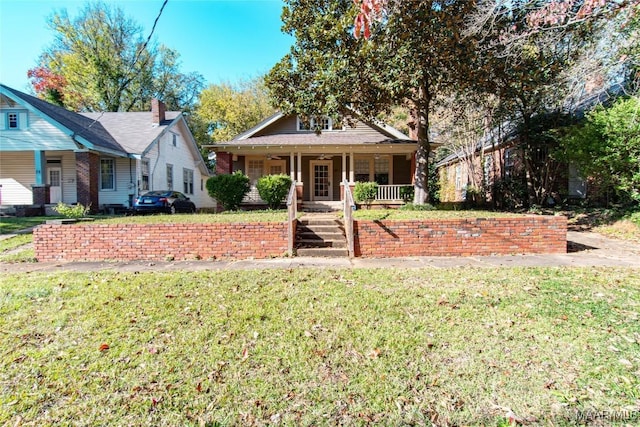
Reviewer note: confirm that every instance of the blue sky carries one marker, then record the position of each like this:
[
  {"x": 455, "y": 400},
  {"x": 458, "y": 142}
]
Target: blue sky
[{"x": 224, "y": 40}]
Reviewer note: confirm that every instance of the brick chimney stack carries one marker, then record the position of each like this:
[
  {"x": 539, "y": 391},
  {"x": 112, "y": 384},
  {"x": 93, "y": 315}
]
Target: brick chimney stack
[{"x": 158, "y": 109}]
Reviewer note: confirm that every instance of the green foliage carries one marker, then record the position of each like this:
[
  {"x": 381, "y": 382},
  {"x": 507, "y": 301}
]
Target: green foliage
[
  {"x": 365, "y": 192},
  {"x": 407, "y": 193},
  {"x": 229, "y": 110},
  {"x": 410, "y": 59},
  {"x": 273, "y": 189},
  {"x": 103, "y": 63},
  {"x": 72, "y": 211},
  {"x": 607, "y": 147},
  {"x": 414, "y": 207},
  {"x": 229, "y": 189}
]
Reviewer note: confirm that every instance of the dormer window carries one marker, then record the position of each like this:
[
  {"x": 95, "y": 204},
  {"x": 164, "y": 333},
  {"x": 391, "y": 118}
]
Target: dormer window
[
  {"x": 12, "y": 120},
  {"x": 323, "y": 124}
]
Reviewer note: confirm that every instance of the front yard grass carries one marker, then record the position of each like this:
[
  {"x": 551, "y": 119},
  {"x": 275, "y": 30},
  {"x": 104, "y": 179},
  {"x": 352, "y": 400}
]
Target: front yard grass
[{"x": 321, "y": 347}]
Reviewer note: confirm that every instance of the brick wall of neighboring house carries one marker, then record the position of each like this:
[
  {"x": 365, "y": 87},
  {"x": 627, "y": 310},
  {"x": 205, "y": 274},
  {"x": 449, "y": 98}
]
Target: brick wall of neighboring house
[
  {"x": 461, "y": 237},
  {"x": 161, "y": 242}
]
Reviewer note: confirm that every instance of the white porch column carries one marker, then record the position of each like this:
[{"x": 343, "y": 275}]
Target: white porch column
[
  {"x": 344, "y": 167},
  {"x": 299, "y": 167},
  {"x": 292, "y": 166},
  {"x": 352, "y": 165}
]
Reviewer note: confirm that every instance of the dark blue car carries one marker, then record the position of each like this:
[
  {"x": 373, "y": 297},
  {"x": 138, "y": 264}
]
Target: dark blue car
[{"x": 163, "y": 201}]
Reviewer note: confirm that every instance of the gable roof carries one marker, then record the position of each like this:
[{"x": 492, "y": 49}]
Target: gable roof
[
  {"x": 81, "y": 129},
  {"x": 134, "y": 131},
  {"x": 388, "y": 131}
]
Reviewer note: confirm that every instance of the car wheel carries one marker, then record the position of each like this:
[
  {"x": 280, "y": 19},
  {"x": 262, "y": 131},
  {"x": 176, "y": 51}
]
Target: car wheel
[{"x": 172, "y": 209}]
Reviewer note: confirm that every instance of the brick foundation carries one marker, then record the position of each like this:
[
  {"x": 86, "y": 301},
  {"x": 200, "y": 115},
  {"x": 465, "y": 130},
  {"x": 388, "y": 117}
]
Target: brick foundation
[
  {"x": 461, "y": 237},
  {"x": 159, "y": 242}
]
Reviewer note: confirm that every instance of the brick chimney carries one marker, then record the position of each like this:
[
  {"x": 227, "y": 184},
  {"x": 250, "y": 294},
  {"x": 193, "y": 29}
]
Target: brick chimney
[{"x": 158, "y": 109}]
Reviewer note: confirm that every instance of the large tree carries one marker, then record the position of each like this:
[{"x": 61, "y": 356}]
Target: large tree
[
  {"x": 101, "y": 61},
  {"x": 409, "y": 59},
  {"x": 230, "y": 109}
]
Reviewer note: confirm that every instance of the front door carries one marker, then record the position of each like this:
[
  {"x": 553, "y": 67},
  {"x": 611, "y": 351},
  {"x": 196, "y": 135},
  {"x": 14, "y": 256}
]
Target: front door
[
  {"x": 54, "y": 179},
  {"x": 321, "y": 174}
]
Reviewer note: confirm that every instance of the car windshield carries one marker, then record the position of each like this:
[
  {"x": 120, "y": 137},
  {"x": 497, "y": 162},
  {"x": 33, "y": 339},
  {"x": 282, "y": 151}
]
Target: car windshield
[{"x": 158, "y": 193}]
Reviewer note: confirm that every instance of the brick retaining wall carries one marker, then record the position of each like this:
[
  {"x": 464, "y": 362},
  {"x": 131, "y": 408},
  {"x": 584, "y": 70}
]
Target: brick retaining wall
[
  {"x": 461, "y": 237},
  {"x": 160, "y": 242}
]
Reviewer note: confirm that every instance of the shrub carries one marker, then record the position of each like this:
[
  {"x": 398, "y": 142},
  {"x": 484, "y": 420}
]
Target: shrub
[
  {"x": 72, "y": 211},
  {"x": 365, "y": 192},
  {"x": 229, "y": 189},
  {"x": 407, "y": 193},
  {"x": 273, "y": 189},
  {"x": 413, "y": 207}
]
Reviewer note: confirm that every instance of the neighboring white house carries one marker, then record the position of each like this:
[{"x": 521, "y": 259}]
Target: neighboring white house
[{"x": 49, "y": 154}]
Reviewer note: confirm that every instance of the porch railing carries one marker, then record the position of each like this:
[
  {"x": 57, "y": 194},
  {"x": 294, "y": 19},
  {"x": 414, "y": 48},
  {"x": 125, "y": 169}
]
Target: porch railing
[
  {"x": 393, "y": 192},
  {"x": 349, "y": 206},
  {"x": 252, "y": 196},
  {"x": 292, "y": 208}
]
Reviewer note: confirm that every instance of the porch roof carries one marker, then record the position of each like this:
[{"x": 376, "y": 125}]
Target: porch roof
[{"x": 309, "y": 141}]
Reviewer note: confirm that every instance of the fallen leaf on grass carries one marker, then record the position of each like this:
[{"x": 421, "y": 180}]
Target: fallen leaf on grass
[
  {"x": 104, "y": 347},
  {"x": 245, "y": 354}
]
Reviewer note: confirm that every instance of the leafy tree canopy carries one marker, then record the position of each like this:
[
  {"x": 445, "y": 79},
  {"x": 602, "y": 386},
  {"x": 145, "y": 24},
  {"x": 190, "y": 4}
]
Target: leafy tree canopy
[
  {"x": 230, "y": 109},
  {"x": 100, "y": 61},
  {"x": 409, "y": 60},
  {"x": 607, "y": 146}
]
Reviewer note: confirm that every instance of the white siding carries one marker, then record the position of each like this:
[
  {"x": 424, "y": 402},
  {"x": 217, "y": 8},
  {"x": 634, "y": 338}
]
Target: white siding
[
  {"x": 125, "y": 183},
  {"x": 180, "y": 157},
  {"x": 17, "y": 174}
]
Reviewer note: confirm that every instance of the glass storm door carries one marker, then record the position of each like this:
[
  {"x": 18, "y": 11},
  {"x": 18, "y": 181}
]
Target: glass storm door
[
  {"x": 54, "y": 177},
  {"x": 321, "y": 174}
]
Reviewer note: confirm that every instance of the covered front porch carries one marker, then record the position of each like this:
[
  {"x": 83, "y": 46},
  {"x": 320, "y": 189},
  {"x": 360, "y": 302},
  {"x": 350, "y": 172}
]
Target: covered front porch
[{"x": 319, "y": 172}]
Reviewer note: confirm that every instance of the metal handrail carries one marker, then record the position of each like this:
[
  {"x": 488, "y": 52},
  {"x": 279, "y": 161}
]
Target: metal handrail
[
  {"x": 349, "y": 207},
  {"x": 292, "y": 208}
]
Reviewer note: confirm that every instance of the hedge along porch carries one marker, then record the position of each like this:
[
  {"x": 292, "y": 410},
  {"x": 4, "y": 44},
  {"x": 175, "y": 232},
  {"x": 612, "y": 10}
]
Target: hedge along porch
[
  {"x": 321, "y": 154},
  {"x": 443, "y": 237}
]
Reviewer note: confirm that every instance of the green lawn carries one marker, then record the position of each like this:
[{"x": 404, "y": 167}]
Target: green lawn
[{"x": 320, "y": 347}]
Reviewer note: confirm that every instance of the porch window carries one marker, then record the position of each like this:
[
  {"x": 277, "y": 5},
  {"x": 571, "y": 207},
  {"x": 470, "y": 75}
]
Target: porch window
[
  {"x": 361, "y": 168},
  {"x": 276, "y": 167},
  {"x": 107, "y": 174},
  {"x": 381, "y": 170},
  {"x": 255, "y": 169},
  {"x": 187, "y": 177},
  {"x": 169, "y": 177},
  {"x": 144, "y": 183}
]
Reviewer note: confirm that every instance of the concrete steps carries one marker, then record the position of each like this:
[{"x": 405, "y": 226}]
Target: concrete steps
[{"x": 321, "y": 235}]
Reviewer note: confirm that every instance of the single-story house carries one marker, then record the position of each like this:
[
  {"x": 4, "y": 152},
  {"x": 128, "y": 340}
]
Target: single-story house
[
  {"x": 103, "y": 160},
  {"x": 320, "y": 154}
]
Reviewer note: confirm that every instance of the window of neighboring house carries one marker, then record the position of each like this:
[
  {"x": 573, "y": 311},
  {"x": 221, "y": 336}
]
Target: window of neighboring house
[
  {"x": 174, "y": 140},
  {"x": 187, "y": 177},
  {"x": 12, "y": 121},
  {"x": 509, "y": 161},
  {"x": 169, "y": 177},
  {"x": 381, "y": 170},
  {"x": 144, "y": 184},
  {"x": 361, "y": 170},
  {"x": 459, "y": 177},
  {"x": 107, "y": 174},
  {"x": 487, "y": 169},
  {"x": 255, "y": 169}
]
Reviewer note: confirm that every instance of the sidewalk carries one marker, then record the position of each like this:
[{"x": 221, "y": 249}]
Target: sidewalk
[{"x": 586, "y": 249}]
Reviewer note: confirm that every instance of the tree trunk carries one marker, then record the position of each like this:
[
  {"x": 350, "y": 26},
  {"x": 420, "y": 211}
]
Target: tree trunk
[{"x": 421, "y": 177}]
